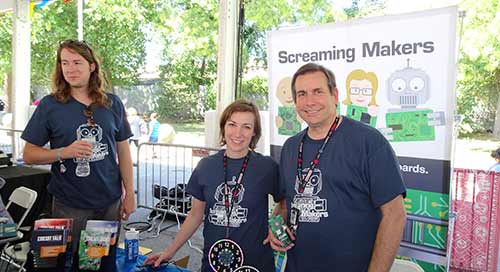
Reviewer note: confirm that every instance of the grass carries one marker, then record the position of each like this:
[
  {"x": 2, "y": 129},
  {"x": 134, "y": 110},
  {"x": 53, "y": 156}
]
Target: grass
[
  {"x": 480, "y": 136},
  {"x": 480, "y": 142},
  {"x": 473, "y": 150},
  {"x": 193, "y": 127}
]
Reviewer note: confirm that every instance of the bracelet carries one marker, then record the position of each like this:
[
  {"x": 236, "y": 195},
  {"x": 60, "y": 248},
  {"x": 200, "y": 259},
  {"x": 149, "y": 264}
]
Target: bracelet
[
  {"x": 62, "y": 168},
  {"x": 59, "y": 151}
]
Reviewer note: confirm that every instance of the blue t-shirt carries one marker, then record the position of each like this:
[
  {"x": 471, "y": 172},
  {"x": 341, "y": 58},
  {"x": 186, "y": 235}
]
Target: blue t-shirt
[
  {"x": 340, "y": 207},
  {"x": 248, "y": 223},
  {"x": 154, "y": 125},
  {"x": 93, "y": 183},
  {"x": 495, "y": 167}
]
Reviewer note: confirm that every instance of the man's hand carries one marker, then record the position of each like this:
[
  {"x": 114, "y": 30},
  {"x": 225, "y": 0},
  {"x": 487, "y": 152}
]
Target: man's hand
[
  {"x": 277, "y": 244},
  {"x": 78, "y": 149},
  {"x": 128, "y": 206}
]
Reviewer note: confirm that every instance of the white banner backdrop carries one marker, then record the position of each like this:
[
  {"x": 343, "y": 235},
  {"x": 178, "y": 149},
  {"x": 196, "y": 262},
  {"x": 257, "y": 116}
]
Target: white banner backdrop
[
  {"x": 410, "y": 51},
  {"x": 396, "y": 73}
]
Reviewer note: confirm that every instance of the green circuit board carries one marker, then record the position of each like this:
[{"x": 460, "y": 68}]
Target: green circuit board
[
  {"x": 291, "y": 125},
  {"x": 408, "y": 126},
  {"x": 427, "y": 204}
]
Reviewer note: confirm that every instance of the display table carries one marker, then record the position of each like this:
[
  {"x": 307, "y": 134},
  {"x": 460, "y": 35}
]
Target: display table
[
  {"x": 33, "y": 178},
  {"x": 123, "y": 266}
]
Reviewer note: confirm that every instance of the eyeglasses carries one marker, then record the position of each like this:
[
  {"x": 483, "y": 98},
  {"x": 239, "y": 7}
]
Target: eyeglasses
[
  {"x": 74, "y": 42},
  {"x": 363, "y": 91},
  {"x": 90, "y": 116}
]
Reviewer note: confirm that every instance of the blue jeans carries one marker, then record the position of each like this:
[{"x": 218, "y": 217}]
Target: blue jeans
[
  {"x": 80, "y": 217},
  {"x": 153, "y": 139}
]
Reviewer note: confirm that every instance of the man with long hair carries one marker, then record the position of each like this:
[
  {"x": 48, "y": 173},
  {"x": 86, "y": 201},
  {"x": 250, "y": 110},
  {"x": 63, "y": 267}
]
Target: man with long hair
[{"x": 87, "y": 130}]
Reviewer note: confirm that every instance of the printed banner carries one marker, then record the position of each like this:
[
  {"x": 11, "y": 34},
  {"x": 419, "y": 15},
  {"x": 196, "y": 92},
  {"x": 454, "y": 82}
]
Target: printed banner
[{"x": 397, "y": 74}]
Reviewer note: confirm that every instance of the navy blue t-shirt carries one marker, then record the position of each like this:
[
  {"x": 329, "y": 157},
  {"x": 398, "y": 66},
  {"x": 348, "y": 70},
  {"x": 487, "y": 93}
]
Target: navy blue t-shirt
[
  {"x": 94, "y": 183},
  {"x": 340, "y": 207},
  {"x": 248, "y": 223}
]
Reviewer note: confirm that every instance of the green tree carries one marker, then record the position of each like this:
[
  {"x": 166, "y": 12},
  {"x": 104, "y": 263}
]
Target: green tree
[
  {"x": 478, "y": 81},
  {"x": 5, "y": 45},
  {"x": 190, "y": 55},
  {"x": 185, "y": 87},
  {"x": 113, "y": 28},
  {"x": 255, "y": 89}
]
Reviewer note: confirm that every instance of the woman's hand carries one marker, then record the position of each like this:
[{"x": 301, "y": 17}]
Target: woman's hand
[{"x": 156, "y": 259}]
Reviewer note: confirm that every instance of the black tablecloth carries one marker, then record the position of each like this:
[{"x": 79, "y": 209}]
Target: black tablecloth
[{"x": 34, "y": 178}]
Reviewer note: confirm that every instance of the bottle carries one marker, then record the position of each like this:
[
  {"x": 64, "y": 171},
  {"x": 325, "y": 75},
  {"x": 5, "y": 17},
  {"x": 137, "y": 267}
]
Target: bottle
[{"x": 131, "y": 245}]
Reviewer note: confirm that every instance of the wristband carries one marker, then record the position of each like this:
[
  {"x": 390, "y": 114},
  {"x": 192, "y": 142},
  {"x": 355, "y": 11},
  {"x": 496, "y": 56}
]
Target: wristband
[
  {"x": 59, "y": 151},
  {"x": 62, "y": 168}
]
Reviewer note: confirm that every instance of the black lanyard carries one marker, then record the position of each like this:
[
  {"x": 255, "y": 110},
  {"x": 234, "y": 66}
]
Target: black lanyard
[
  {"x": 304, "y": 180},
  {"x": 229, "y": 204}
]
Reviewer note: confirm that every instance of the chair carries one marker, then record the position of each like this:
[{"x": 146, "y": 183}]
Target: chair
[
  {"x": 25, "y": 198},
  {"x": 405, "y": 266}
]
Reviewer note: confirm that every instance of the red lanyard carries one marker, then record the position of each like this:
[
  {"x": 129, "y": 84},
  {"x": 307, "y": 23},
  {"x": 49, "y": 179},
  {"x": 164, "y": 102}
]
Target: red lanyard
[
  {"x": 304, "y": 180},
  {"x": 236, "y": 189}
]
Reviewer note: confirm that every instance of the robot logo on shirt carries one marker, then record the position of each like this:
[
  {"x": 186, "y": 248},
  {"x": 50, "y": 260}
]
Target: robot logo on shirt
[
  {"x": 217, "y": 214},
  {"x": 311, "y": 206},
  {"x": 93, "y": 135}
]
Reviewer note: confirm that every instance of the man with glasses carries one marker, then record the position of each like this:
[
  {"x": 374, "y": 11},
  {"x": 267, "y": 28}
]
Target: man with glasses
[
  {"x": 342, "y": 184},
  {"x": 87, "y": 130}
]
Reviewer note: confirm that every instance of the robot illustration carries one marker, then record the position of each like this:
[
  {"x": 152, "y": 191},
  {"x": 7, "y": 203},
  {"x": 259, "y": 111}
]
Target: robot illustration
[
  {"x": 361, "y": 89},
  {"x": 217, "y": 214},
  {"x": 287, "y": 121},
  {"x": 408, "y": 88},
  {"x": 311, "y": 207},
  {"x": 92, "y": 134}
]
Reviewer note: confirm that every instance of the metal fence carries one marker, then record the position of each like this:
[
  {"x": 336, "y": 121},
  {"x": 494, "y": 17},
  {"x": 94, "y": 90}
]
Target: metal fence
[
  {"x": 162, "y": 174},
  {"x": 476, "y": 232}
]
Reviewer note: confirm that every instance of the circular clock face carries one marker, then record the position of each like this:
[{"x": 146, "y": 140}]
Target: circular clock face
[
  {"x": 246, "y": 268},
  {"x": 225, "y": 256}
]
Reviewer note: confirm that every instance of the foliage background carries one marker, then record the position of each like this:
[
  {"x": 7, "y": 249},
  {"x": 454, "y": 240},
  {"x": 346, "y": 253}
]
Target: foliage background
[{"x": 478, "y": 81}]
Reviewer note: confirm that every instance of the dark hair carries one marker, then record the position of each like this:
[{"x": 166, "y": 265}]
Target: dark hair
[
  {"x": 496, "y": 153},
  {"x": 61, "y": 89},
  {"x": 241, "y": 105},
  {"x": 311, "y": 68}
]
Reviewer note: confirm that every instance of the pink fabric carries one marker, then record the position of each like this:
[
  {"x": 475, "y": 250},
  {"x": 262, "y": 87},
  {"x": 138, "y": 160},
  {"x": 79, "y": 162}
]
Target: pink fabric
[{"x": 476, "y": 230}]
